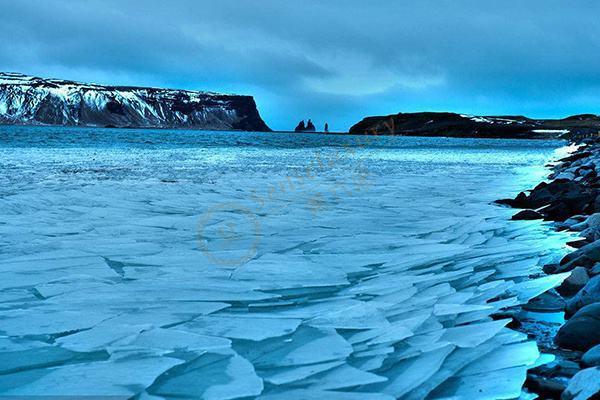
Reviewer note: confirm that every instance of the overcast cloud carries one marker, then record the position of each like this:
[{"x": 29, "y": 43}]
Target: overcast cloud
[{"x": 332, "y": 60}]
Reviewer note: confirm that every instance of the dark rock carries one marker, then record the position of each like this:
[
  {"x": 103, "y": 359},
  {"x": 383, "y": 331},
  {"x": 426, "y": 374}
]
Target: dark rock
[
  {"x": 592, "y": 357},
  {"x": 579, "y": 243},
  {"x": 590, "y": 294},
  {"x": 581, "y": 332},
  {"x": 574, "y": 283},
  {"x": 550, "y": 268},
  {"x": 597, "y": 204},
  {"x": 549, "y": 301},
  {"x": 586, "y": 256},
  {"x": 560, "y": 199},
  {"x": 576, "y": 156},
  {"x": 585, "y": 385},
  {"x": 546, "y": 388},
  {"x": 300, "y": 127},
  {"x": 526, "y": 215},
  {"x": 309, "y": 127},
  {"x": 569, "y": 204},
  {"x": 574, "y": 223}
]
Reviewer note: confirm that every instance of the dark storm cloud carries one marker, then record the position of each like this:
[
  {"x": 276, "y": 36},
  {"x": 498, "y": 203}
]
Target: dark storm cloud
[{"x": 331, "y": 60}]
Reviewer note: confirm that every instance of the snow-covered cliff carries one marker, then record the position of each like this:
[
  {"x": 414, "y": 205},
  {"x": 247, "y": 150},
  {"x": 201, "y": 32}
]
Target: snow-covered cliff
[{"x": 32, "y": 100}]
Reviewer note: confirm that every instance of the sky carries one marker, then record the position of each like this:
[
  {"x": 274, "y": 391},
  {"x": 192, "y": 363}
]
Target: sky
[{"x": 329, "y": 60}]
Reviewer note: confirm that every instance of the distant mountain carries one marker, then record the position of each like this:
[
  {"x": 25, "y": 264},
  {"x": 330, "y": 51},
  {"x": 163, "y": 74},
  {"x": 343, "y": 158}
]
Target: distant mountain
[
  {"x": 37, "y": 101},
  {"x": 458, "y": 125}
]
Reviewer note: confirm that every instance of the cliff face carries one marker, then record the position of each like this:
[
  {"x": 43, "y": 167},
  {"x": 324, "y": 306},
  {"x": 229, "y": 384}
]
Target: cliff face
[
  {"x": 31, "y": 100},
  {"x": 457, "y": 125}
]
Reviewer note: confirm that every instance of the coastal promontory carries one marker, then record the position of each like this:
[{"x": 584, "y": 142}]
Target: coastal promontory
[{"x": 29, "y": 100}]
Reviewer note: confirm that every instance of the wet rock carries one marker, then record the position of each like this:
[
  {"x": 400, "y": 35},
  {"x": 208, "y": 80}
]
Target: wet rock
[
  {"x": 576, "y": 156},
  {"x": 574, "y": 283},
  {"x": 550, "y": 268},
  {"x": 579, "y": 243},
  {"x": 547, "y": 302},
  {"x": 593, "y": 221},
  {"x": 568, "y": 368},
  {"x": 597, "y": 204},
  {"x": 527, "y": 215},
  {"x": 585, "y": 385},
  {"x": 574, "y": 223},
  {"x": 592, "y": 357},
  {"x": 591, "y": 234},
  {"x": 581, "y": 331},
  {"x": 590, "y": 294},
  {"x": 566, "y": 175},
  {"x": 546, "y": 388},
  {"x": 568, "y": 204},
  {"x": 585, "y": 172},
  {"x": 586, "y": 256},
  {"x": 518, "y": 202},
  {"x": 560, "y": 189},
  {"x": 595, "y": 270},
  {"x": 580, "y": 223},
  {"x": 590, "y": 227}
]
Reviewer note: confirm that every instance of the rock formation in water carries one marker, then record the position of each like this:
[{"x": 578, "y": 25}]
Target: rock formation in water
[
  {"x": 309, "y": 127},
  {"x": 457, "y": 125},
  {"x": 37, "y": 101},
  {"x": 300, "y": 127}
]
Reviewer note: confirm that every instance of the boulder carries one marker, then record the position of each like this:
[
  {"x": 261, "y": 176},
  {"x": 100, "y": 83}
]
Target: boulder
[
  {"x": 585, "y": 385},
  {"x": 568, "y": 204},
  {"x": 549, "y": 301},
  {"x": 574, "y": 223},
  {"x": 518, "y": 202},
  {"x": 576, "y": 156},
  {"x": 582, "y": 331},
  {"x": 548, "y": 389},
  {"x": 575, "y": 282},
  {"x": 592, "y": 357},
  {"x": 589, "y": 294},
  {"x": 591, "y": 234},
  {"x": 591, "y": 227},
  {"x": 597, "y": 204},
  {"x": 566, "y": 175},
  {"x": 559, "y": 189},
  {"x": 579, "y": 243},
  {"x": 586, "y": 256},
  {"x": 526, "y": 215}
]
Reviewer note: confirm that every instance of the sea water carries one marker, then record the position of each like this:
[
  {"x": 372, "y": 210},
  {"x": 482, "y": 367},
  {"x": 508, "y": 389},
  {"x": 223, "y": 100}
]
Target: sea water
[{"x": 227, "y": 265}]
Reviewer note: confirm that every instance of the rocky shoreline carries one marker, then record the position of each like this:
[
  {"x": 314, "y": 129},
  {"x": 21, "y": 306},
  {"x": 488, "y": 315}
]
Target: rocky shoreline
[{"x": 571, "y": 200}]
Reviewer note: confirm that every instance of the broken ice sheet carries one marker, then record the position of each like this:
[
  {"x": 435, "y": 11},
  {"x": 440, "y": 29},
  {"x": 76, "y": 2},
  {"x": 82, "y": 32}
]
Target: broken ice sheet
[
  {"x": 211, "y": 376},
  {"x": 249, "y": 326},
  {"x": 105, "y": 289}
]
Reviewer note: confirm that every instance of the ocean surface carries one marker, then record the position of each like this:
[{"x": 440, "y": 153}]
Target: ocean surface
[{"x": 226, "y": 265}]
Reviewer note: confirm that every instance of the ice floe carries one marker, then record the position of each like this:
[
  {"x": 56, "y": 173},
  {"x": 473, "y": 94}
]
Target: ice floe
[{"x": 111, "y": 286}]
